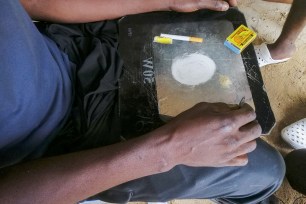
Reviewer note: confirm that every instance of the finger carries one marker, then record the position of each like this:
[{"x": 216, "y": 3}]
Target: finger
[
  {"x": 245, "y": 149},
  {"x": 242, "y": 116},
  {"x": 214, "y": 107},
  {"x": 249, "y": 132},
  {"x": 246, "y": 134},
  {"x": 217, "y": 5},
  {"x": 221, "y": 107},
  {"x": 234, "y": 106},
  {"x": 232, "y": 2},
  {"x": 238, "y": 161}
]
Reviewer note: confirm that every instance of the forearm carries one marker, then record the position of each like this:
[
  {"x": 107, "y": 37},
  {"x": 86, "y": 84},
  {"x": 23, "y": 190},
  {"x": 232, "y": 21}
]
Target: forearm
[
  {"x": 79, "y": 11},
  {"x": 207, "y": 135},
  {"x": 74, "y": 177}
]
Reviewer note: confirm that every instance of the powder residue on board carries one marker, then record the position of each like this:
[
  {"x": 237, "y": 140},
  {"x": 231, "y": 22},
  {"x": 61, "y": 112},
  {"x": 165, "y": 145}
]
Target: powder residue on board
[
  {"x": 193, "y": 69},
  {"x": 225, "y": 81}
]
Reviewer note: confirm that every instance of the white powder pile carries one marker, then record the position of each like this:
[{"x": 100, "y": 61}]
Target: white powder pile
[{"x": 193, "y": 69}]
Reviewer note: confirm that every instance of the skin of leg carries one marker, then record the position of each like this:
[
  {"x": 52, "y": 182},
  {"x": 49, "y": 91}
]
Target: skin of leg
[
  {"x": 250, "y": 184},
  {"x": 284, "y": 46}
]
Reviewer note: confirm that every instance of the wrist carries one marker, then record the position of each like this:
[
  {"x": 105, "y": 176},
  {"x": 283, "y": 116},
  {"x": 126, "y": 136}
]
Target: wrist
[
  {"x": 161, "y": 146},
  {"x": 153, "y": 5}
]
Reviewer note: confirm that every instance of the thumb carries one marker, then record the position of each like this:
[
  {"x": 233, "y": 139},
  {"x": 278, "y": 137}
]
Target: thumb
[{"x": 216, "y": 5}]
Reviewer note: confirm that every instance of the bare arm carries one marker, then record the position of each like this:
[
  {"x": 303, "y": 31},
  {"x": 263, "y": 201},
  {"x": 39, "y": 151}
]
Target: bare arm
[
  {"x": 80, "y": 11},
  {"x": 206, "y": 135},
  {"x": 74, "y": 177}
]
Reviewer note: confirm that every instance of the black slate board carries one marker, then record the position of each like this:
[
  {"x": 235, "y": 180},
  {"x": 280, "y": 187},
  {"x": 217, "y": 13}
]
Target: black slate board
[{"x": 137, "y": 94}]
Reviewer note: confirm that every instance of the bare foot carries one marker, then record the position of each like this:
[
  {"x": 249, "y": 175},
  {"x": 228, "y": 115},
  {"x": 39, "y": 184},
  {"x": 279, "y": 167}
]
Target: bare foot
[{"x": 281, "y": 51}]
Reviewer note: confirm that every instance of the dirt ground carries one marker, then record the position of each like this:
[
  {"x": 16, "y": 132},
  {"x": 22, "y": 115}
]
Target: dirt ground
[{"x": 285, "y": 83}]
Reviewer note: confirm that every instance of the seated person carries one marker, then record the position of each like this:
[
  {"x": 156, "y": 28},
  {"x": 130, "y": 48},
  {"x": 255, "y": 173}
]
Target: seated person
[{"x": 51, "y": 81}]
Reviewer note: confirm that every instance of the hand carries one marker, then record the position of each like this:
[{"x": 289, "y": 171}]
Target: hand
[
  {"x": 194, "y": 5},
  {"x": 212, "y": 135}
]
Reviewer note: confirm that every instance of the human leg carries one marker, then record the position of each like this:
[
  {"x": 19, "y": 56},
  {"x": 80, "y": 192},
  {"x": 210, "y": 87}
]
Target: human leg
[
  {"x": 284, "y": 46},
  {"x": 250, "y": 184}
]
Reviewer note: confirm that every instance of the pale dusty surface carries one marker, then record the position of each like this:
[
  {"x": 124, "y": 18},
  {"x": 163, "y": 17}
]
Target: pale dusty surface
[
  {"x": 285, "y": 83},
  {"x": 193, "y": 69}
]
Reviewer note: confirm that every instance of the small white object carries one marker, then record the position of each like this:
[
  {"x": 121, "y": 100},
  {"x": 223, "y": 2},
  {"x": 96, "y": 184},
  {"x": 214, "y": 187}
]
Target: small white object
[
  {"x": 264, "y": 57},
  {"x": 295, "y": 134},
  {"x": 182, "y": 38},
  {"x": 175, "y": 37}
]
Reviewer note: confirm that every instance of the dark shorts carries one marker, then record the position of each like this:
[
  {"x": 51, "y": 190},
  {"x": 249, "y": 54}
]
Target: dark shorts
[{"x": 93, "y": 121}]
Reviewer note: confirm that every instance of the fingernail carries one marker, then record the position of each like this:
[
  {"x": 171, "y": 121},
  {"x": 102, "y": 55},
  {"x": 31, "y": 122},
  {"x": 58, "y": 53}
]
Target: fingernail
[{"x": 225, "y": 6}]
